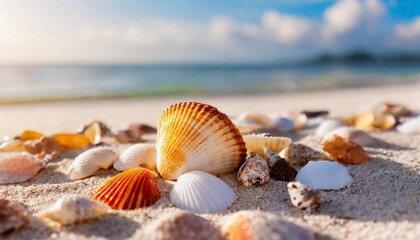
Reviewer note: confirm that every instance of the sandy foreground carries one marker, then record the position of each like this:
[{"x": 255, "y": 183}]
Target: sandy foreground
[{"x": 382, "y": 203}]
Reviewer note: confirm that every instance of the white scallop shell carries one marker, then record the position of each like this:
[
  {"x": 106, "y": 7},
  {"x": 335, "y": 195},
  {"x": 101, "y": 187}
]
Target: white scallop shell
[
  {"x": 141, "y": 154},
  {"x": 324, "y": 175},
  {"x": 201, "y": 192},
  {"x": 411, "y": 126},
  {"x": 353, "y": 135},
  {"x": 327, "y": 126},
  {"x": 90, "y": 161},
  {"x": 74, "y": 209}
]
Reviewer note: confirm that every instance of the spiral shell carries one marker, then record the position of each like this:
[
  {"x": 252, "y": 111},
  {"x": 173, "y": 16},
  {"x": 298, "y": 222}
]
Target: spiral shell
[
  {"x": 90, "y": 161},
  {"x": 194, "y": 136},
  {"x": 138, "y": 155},
  {"x": 253, "y": 172},
  {"x": 303, "y": 197},
  {"x": 131, "y": 189},
  {"x": 201, "y": 192}
]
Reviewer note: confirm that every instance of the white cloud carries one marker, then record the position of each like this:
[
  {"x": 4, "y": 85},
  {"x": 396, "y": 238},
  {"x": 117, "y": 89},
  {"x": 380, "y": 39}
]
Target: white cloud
[{"x": 409, "y": 31}]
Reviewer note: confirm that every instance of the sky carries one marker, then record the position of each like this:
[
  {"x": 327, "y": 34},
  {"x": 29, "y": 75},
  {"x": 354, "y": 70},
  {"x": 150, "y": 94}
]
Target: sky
[{"x": 220, "y": 31}]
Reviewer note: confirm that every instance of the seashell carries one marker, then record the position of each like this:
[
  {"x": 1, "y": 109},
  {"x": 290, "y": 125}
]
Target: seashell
[
  {"x": 411, "y": 126},
  {"x": 141, "y": 129},
  {"x": 104, "y": 130},
  {"x": 131, "y": 189},
  {"x": 353, "y": 135},
  {"x": 201, "y": 192},
  {"x": 324, "y": 175},
  {"x": 257, "y": 142},
  {"x": 326, "y": 126},
  {"x": 282, "y": 124},
  {"x": 344, "y": 151},
  {"x": 179, "y": 225},
  {"x": 134, "y": 133},
  {"x": 74, "y": 209},
  {"x": 90, "y": 161},
  {"x": 138, "y": 155},
  {"x": 280, "y": 169},
  {"x": 18, "y": 167},
  {"x": 245, "y": 126},
  {"x": 253, "y": 172},
  {"x": 13, "y": 216},
  {"x": 30, "y": 135},
  {"x": 256, "y": 118},
  {"x": 299, "y": 120},
  {"x": 93, "y": 133},
  {"x": 394, "y": 109},
  {"x": 11, "y": 145},
  {"x": 315, "y": 113},
  {"x": 303, "y": 197},
  {"x": 369, "y": 121},
  {"x": 257, "y": 225},
  {"x": 72, "y": 141},
  {"x": 44, "y": 147},
  {"x": 195, "y": 136},
  {"x": 300, "y": 154}
]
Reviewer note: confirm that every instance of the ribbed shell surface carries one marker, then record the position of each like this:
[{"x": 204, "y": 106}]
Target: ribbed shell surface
[
  {"x": 202, "y": 192},
  {"x": 194, "y": 136},
  {"x": 131, "y": 189},
  {"x": 256, "y": 143}
]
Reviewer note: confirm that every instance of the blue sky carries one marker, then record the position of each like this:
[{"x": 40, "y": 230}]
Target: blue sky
[{"x": 105, "y": 31}]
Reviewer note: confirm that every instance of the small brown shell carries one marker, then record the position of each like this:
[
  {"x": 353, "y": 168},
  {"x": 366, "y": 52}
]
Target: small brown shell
[
  {"x": 300, "y": 154},
  {"x": 280, "y": 169},
  {"x": 344, "y": 151},
  {"x": 12, "y": 216},
  {"x": 253, "y": 172},
  {"x": 44, "y": 147}
]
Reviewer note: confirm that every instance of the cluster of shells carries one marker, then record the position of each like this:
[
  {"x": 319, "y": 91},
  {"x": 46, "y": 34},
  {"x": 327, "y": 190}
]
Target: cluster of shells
[{"x": 196, "y": 143}]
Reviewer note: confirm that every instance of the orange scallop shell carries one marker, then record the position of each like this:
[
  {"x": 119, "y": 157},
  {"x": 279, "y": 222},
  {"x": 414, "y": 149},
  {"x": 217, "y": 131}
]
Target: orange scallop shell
[
  {"x": 195, "y": 136},
  {"x": 131, "y": 189}
]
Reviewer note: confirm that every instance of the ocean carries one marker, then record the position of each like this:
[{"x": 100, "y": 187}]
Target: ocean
[{"x": 30, "y": 83}]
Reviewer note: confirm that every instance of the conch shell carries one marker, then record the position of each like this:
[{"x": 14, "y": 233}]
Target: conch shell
[
  {"x": 195, "y": 136},
  {"x": 138, "y": 155},
  {"x": 253, "y": 172}
]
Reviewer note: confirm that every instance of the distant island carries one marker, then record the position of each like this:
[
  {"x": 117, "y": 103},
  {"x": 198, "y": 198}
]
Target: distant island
[{"x": 354, "y": 57}]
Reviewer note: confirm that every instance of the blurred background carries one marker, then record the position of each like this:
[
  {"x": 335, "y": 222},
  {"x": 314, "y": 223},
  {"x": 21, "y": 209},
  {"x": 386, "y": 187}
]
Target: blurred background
[{"x": 59, "y": 50}]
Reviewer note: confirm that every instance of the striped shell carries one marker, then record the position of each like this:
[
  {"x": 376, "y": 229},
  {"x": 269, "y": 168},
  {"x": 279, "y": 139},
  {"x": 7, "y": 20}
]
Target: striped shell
[
  {"x": 257, "y": 142},
  {"x": 74, "y": 209},
  {"x": 131, "y": 189},
  {"x": 18, "y": 167},
  {"x": 138, "y": 155},
  {"x": 194, "y": 136},
  {"x": 257, "y": 225},
  {"x": 202, "y": 192},
  {"x": 90, "y": 161}
]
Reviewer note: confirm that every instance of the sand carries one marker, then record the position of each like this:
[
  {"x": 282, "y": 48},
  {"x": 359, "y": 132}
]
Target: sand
[{"x": 382, "y": 203}]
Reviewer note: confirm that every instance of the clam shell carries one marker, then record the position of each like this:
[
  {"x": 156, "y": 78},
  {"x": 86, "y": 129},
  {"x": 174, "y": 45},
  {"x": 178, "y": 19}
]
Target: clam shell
[
  {"x": 138, "y": 155},
  {"x": 253, "y": 172},
  {"x": 344, "y": 151},
  {"x": 12, "y": 216},
  {"x": 257, "y": 225},
  {"x": 74, "y": 209},
  {"x": 134, "y": 188},
  {"x": 411, "y": 126},
  {"x": 300, "y": 154},
  {"x": 90, "y": 161},
  {"x": 324, "y": 175},
  {"x": 353, "y": 135},
  {"x": 93, "y": 132},
  {"x": 18, "y": 167},
  {"x": 195, "y": 136},
  {"x": 257, "y": 142},
  {"x": 11, "y": 145},
  {"x": 303, "y": 197},
  {"x": 179, "y": 225},
  {"x": 201, "y": 192},
  {"x": 327, "y": 126},
  {"x": 72, "y": 141}
]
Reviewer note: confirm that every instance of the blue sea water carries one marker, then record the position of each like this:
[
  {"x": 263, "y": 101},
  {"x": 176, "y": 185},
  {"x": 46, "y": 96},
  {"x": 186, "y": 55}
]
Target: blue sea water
[{"x": 38, "y": 82}]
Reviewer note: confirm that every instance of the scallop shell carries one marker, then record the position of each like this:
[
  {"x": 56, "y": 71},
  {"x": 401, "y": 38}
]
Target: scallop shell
[
  {"x": 353, "y": 135},
  {"x": 74, "y": 209},
  {"x": 326, "y": 126},
  {"x": 257, "y": 225},
  {"x": 131, "y": 189},
  {"x": 195, "y": 136},
  {"x": 253, "y": 172},
  {"x": 90, "y": 161},
  {"x": 344, "y": 151},
  {"x": 18, "y": 167},
  {"x": 257, "y": 142},
  {"x": 324, "y": 175},
  {"x": 303, "y": 197},
  {"x": 300, "y": 154},
  {"x": 11, "y": 145},
  {"x": 138, "y": 155},
  {"x": 411, "y": 126},
  {"x": 72, "y": 141},
  {"x": 201, "y": 192},
  {"x": 179, "y": 225},
  {"x": 12, "y": 216}
]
